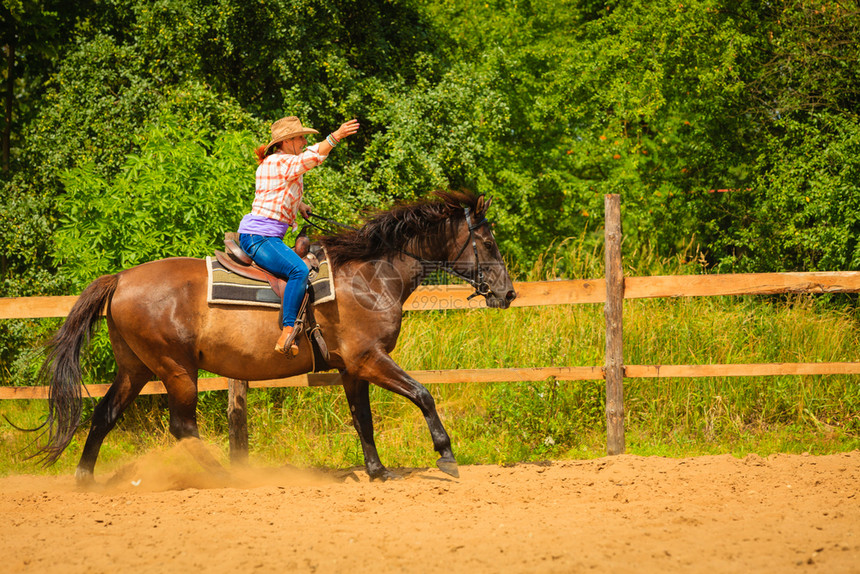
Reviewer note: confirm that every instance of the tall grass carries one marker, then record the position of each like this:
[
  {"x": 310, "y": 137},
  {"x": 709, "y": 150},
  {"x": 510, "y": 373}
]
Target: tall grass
[{"x": 507, "y": 421}]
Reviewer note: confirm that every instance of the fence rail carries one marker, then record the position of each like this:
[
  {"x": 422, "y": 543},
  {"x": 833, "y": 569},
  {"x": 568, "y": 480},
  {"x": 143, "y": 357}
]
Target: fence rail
[
  {"x": 502, "y": 375},
  {"x": 545, "y": 293},
  {"x": 530, "y": 294}
]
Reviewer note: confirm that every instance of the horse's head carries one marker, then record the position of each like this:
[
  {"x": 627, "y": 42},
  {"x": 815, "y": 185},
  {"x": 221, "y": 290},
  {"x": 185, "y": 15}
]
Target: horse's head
[{"x": 474, "y": 255}]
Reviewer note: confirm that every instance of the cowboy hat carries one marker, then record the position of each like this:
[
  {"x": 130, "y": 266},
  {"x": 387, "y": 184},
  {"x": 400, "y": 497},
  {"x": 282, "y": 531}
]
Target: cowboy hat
[{"x": 287, "y": 128}]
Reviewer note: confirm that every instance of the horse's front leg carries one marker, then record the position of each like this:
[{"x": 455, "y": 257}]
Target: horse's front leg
[
  {"x": 358, "y": 397},
  {"x": 382, "y": 371}
]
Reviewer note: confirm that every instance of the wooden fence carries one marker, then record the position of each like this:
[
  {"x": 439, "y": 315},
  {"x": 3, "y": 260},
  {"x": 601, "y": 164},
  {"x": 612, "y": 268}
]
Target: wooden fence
[{"x": 611, "y": 292}]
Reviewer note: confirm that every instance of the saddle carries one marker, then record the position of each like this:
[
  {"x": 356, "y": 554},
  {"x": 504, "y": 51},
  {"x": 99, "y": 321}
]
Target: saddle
[{"x": 235, "y": 260}]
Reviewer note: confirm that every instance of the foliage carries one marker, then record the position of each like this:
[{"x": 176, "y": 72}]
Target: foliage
[
  {"x": 659, "y": 102},
  {"x": 32, "y": 34},
  {"x": 175, "y": 197},
  {"x": 98, "y": 103},
  {"x": 806, "y": 213},
  {"x": 662, "y": 103}
]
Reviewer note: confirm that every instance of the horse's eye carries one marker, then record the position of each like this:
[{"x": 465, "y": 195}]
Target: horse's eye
[{"x": 488, "y": 245}]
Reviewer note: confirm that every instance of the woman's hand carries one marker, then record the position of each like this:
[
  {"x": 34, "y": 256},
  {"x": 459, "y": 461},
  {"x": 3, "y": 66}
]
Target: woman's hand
[
  {"x": 346, "y": 129},
  {"x": 305, "y": 209}
]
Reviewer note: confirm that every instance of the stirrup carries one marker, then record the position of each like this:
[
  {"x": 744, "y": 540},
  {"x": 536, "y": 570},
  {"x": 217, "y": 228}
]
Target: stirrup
[{"x": 290, "y": 348}]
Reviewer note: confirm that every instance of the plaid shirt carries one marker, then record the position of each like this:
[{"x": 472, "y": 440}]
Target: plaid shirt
[{"x": 280, "y": 186}]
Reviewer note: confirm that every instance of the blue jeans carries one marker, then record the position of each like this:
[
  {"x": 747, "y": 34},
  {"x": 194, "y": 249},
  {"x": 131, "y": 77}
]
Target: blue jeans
[{"x": 274, "y": 256}]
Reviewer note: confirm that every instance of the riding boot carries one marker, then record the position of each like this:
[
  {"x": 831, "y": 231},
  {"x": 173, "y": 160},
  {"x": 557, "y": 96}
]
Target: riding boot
[{"x": 286, "y": 342}]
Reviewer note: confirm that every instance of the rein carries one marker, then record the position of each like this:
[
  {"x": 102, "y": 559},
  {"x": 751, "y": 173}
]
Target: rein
[
  {"x": 328, "y": 220},
  {"x": 481, "y": 286}
]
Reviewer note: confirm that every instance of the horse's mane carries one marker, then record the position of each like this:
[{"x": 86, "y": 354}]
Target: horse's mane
[{"x": 386, "y": 232}]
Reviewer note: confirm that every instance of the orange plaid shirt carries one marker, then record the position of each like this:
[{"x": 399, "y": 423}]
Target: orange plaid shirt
[{"x": 280, "y": 185}]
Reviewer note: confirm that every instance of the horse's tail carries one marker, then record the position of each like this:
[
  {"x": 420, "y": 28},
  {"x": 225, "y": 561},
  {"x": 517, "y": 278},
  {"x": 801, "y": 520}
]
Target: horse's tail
[{"x": 62, "y": 367}]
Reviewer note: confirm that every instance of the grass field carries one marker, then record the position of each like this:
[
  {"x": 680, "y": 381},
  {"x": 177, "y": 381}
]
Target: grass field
[{"x": 510, "y": 422}]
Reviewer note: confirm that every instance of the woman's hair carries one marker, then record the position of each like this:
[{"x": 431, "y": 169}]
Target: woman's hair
[{"x": 260, "y": 152}]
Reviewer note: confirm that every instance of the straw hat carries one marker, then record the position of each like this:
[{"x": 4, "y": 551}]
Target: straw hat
[{"x": 286, "y": 128}]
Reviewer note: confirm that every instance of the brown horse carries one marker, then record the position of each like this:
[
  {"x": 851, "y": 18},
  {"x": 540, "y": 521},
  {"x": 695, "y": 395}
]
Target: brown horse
[{"x": 161, "y": 326}]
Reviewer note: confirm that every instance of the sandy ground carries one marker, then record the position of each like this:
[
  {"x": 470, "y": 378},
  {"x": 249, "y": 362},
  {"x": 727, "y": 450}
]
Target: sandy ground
[{"x": 161, "y": 513}]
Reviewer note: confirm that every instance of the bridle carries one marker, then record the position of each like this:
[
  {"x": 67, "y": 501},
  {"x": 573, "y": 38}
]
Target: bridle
[{"x": 480, "y": 284}]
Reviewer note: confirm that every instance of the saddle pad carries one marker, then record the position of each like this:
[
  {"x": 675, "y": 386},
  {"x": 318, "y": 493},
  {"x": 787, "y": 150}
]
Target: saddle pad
[
  {"x": 227, "y": 288},
  {"x": 322, "y": 284}
]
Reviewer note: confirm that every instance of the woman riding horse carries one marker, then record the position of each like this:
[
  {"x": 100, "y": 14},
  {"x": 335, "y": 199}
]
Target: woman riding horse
[
  {"x": 161, "y": 326},
  {"x": 278, "y": 198}
]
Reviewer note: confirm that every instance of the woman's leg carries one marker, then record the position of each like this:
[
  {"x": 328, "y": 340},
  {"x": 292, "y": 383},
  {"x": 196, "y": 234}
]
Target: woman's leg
[{"x": 274, "y": 256}]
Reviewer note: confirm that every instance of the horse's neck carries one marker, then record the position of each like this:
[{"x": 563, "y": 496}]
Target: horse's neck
[
  {"x": 414, "y": 264},
  {"x": 411, "y": 272}
]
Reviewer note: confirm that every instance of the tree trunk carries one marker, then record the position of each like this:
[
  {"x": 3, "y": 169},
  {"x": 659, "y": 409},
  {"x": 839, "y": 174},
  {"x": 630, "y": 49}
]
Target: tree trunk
[{"x": 10, "y": 98}]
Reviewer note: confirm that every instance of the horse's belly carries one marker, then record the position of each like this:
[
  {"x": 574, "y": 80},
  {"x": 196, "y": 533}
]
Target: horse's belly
[{"x": 240, "y": 344}]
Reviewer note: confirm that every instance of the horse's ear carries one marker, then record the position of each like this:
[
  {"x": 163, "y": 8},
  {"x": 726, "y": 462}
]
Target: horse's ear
[{"x": 483, "y": 204}]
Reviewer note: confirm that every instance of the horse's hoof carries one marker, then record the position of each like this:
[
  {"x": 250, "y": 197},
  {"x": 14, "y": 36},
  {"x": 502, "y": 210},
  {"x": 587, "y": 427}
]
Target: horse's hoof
[
  {"x": 384, "y": 475},
  {"x": 449, "y": 467},
  {"x": 84, "y": 478}
]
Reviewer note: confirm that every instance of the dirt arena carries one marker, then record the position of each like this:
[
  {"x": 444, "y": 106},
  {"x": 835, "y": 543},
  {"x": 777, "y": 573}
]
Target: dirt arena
[{"x": 620, "y": 514}]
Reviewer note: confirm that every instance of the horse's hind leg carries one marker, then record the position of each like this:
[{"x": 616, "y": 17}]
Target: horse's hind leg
[
  {"x": 181, "y": 384},
  {"x": 358, "y": 397},
  {"x": 131, "y": 376},
  {"x": 182, "y": 403}
]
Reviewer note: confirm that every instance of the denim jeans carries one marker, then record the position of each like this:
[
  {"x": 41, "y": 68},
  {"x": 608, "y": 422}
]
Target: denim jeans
[{"x": 274, "y": 256}]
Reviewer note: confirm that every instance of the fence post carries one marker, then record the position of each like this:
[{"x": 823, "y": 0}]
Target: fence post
[
  {"x": 237, "y": 419},
  {"x": 613, "y": 312}
]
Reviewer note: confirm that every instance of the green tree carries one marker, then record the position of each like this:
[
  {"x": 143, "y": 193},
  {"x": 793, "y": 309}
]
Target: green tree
[
  {"x": 805, "y": 213},
  {"x": 175, "y": 196},
  {"x": 663, "y": 103},
  {"x": 32, "y": 36},
  {"x": 804, "y": 93}
]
